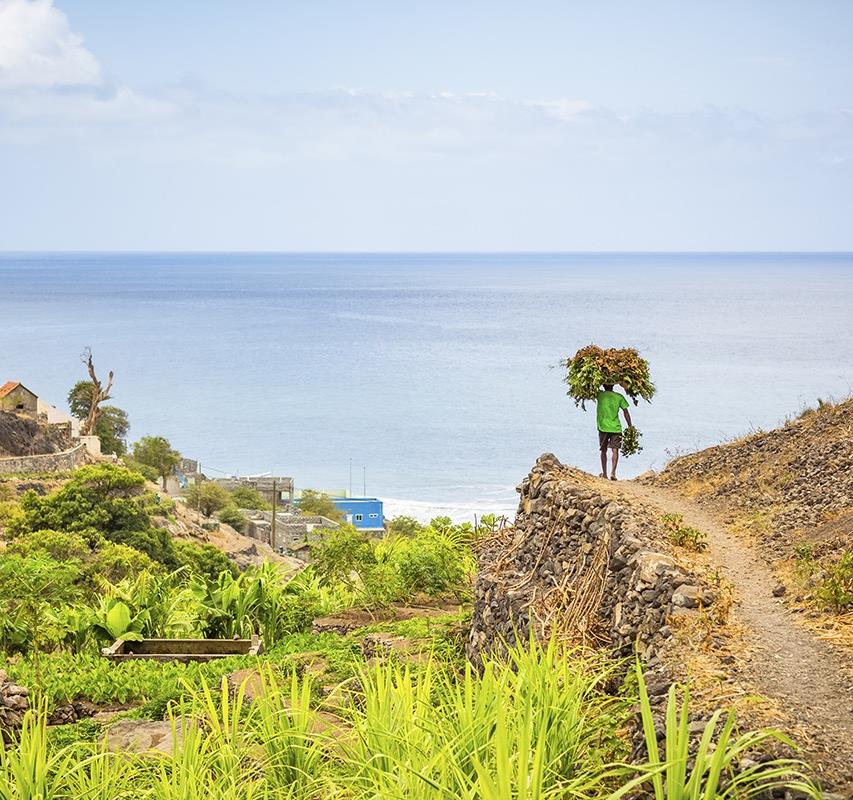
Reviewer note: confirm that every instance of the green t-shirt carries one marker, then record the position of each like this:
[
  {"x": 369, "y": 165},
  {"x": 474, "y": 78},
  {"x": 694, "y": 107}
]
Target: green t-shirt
[{"x": 607, "y": 412}]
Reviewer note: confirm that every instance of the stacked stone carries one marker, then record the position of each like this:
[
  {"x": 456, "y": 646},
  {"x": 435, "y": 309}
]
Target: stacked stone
[
  {"x": 14, "y": 702},
  {"x": 564, "y": 531}
]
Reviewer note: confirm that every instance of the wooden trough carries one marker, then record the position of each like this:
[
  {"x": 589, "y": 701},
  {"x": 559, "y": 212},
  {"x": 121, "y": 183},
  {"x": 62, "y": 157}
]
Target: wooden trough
[{"x": 182, "y": 649}]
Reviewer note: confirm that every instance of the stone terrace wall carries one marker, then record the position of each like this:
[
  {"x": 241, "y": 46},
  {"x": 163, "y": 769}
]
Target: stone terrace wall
[
  {"x": 580, "y": 563},
  {"x": 48, "y": 462}
]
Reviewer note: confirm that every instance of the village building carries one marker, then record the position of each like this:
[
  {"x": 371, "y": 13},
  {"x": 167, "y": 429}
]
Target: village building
[
  {"x": 266, "y": 486},
  {"x": 364, "y": 513},
  {"x": 294, "y": 533},
  {"x": 17, "y": 399}
]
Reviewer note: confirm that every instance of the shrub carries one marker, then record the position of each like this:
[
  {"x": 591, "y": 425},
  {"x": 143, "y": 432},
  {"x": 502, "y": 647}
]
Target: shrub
[
  {"x": 203, "y": 559},
  {"x": 682, "y": 535},
  {"x": 102, "y": 497},
  {"x": 115, "y": 562},
  {"x": 404, "y": 526},
  {"x": 156, "y": 543},
  {"x": 431, "y": 562},
  {"x": 207, "y": 497},
  {"x": 836, "y": 590},
  {"x": 149, "y": 473},
  {"x": 247, "y": 497},
  {"x": 231, "y": 515},
  {"x": 314, "y": 502}
]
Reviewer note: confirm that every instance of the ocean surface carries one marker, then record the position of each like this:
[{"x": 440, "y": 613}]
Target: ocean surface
[{"x": 434, "y": 376}]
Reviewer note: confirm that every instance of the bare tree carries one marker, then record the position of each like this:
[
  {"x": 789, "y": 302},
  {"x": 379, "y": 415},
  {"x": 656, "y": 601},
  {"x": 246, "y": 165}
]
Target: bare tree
[{"x": 99, "y": 394}]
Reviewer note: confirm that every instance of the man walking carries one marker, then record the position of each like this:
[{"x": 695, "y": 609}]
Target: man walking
[{"x": 608, "y": 404}]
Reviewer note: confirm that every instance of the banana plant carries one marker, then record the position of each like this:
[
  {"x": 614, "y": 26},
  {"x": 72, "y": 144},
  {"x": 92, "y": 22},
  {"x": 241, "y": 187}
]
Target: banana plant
[{"x": 113, "y": 620}]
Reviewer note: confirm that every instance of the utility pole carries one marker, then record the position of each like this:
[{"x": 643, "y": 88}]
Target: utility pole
[
  {"x": 350, "y": 477},
  {"x": 364, "y": 481},
  {"x": 274, "y": 499}
]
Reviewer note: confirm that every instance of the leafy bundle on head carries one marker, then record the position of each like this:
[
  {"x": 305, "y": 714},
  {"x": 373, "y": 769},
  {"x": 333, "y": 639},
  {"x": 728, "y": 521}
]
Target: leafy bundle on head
[{"x": 593, "y": 367}]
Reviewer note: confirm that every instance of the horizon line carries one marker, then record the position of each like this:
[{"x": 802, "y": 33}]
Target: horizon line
[{"x": 417, "y": 252}]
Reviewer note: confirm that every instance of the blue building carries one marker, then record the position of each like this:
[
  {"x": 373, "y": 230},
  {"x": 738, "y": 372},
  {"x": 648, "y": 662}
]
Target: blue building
[{"x": 365, "y": 513}]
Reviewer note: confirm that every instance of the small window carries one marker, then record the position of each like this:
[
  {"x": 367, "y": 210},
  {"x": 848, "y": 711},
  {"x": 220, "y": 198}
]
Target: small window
[
  {"x": 359, "y": 517},
  {"x": 373, "y": 516}
]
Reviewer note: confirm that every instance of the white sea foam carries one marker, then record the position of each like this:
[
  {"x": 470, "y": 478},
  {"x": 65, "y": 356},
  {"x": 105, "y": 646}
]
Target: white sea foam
[{"x": 458, "y": 511}]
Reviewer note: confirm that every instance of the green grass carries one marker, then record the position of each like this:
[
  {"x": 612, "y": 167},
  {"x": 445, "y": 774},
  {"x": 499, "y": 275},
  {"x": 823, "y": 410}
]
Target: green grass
[{"x": 542, "y": 726}]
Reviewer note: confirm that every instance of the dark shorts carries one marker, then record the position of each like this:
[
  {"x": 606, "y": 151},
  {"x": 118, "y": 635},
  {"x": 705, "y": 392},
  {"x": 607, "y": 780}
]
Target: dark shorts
[{"x": 609, "y": 440}]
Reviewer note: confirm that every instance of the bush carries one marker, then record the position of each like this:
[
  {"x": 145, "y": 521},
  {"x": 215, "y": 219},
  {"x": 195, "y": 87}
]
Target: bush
[
  {"x": 682, "y": 535},
  {"x": 149, "y": 473},
  {"x": 404, "y": 526},
  {"x": 207, "y": 497},
  {"x": 430, "y": 562},
  {"x": 115, "y": 562},
  {"x": 156, "y": 543},
  {"x": 314, "y": 502},
  {"x": 231, "y": 515},
  {"x": 203, "y": 559},
  {"x": 247, "y": 497},
  {"x": 836, "y": 590},
  {"x": 103, "y": 498}
]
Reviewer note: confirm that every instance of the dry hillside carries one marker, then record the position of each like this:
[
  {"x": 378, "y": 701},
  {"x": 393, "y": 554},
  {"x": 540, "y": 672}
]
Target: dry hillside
[{"x": 787, "y": 485}]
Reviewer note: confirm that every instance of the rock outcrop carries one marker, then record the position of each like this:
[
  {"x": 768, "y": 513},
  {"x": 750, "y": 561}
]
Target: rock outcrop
[{"x": 579, "y": 564}]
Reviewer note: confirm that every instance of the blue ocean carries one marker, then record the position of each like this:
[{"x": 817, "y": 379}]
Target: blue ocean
[{"x": 431, "y": 381}]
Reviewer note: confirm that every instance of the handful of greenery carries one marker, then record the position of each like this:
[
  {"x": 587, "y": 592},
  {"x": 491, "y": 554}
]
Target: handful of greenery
[
  {"x": 593, "y": 366},
  {"x": 631, "y": 441}
]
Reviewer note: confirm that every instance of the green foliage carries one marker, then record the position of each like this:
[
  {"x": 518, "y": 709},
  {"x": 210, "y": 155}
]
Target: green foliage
[
  {"x": 431, "y": 562},
  {"x": 156, "y": 543},
  {"x": 713, "y": 771},
  {"x": 631, "y": 441},
  {"x": 343, "y": 555},
  {"x": 593, "y": 367},
  {"x": 404, "y": 526},
  {"x": 247, "y": 497},
  {"x": 111, "y": 425},
  {"x": 434, "y": 561},
  {"x": 319, "y": 504},
  {"x": 203, "y": 559},
  {"x": 835, "y": 591},
  {"x": 157, "y": 453},
  {"x": 98, "y": 499},
  {"x": 207, "y": 497},
  {"x": 231, "y": 515},
  {"x": 149, "y": 473},
  {"x": 682, "y": 535},
  {"x": 30, "y": 588}
]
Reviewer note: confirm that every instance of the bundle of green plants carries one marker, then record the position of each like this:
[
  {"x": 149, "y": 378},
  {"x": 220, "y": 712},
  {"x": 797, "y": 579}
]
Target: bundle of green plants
[
  {"x": 593, "y": 367},
  {"x": 631, "y": 441}
]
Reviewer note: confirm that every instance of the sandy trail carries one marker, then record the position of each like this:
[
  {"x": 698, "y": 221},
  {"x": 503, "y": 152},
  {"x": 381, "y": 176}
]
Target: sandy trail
[{"x": 812, "y": 680}]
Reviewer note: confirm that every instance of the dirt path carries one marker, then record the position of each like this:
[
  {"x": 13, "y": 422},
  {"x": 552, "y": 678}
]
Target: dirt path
[{"x": 811, "y": 679}]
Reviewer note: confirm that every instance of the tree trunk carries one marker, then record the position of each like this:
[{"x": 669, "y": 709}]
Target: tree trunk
[{"x": 99, "y": 394}]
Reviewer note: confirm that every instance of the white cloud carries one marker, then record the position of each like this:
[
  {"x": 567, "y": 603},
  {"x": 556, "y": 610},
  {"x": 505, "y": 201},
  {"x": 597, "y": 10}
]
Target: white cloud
[{"x": 39, "y": 49}]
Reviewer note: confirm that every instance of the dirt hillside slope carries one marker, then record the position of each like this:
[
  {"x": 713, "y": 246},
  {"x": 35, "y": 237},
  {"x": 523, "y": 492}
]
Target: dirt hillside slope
[{"x": 787, "y": 486}]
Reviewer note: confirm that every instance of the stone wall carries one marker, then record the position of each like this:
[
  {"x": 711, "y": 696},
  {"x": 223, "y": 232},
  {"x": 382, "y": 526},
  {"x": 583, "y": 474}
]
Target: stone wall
[
  {"x": 578, "y": 563},
  {"x": 14, "y": 702},
  {"x": 48, "y": 462}
]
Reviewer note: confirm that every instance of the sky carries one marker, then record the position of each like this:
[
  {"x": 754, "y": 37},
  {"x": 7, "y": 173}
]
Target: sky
[{"x": 447, "y": 125}]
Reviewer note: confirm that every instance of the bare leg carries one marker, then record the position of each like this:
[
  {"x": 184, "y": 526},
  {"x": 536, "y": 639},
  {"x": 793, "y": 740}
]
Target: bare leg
[
  {"x": 615, "y": 452},
  {"x": 603, "y": 464}
]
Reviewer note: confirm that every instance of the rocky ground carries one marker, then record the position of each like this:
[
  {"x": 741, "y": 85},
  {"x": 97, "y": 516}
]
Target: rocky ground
[
  {"x": 24, "y": 437},
  {"x": 788, "y": 486}
]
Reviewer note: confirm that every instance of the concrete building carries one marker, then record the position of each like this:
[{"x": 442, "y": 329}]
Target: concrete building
[
  {"x": 264, "y": 486},
  {"x": 293, "y": 532},
  {"x": 15, "y": 397},
  {"x": 364, "y": 513},
  {"x": 55, "y": 416}
]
